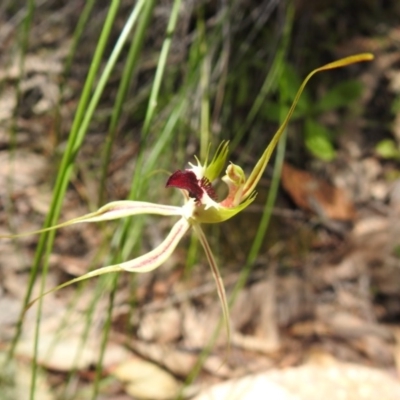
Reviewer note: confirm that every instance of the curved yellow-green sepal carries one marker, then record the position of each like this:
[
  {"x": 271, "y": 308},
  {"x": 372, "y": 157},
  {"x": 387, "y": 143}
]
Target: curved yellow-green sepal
[
  {"x": 258, "y": 170},
  {"x": 144, "y": 263},
  {"x": 217, "y": 164},
  {"x": 161, "y": 253},
  {"x": 110, "y": 211},
  {"x": 219, "y": 214},
  {"x": 128, "y": 208}
]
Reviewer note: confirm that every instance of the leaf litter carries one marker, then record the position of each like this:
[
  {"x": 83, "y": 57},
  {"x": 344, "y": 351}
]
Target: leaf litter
[{"x": 321, "y": 298}]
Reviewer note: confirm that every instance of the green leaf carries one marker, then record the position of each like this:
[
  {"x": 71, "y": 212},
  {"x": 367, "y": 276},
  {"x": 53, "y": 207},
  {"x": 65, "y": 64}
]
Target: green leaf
[
  {"x": 318, "y": 140},
  {"x": 291, "y": 81},
  {"x": 388, "y": 149},
  {"x": 395, "y": 107},
  {"x": 272, "y": 111},
  {"x": 341, "y": 95}
]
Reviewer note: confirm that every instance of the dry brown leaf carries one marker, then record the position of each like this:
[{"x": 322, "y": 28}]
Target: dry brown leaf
[
  {"x": 66, "y": 352},
  {"x": 252, "y": 387},
  {"x": 316, "y": 195},
  {"x": 179, "y": 362},
  {"x": 60, "y": 354},
  {"x": 145, "y": 380},
  {"x": 161, "y": 326},
  {"x": 375, "y": 349},
  {"x": 337, "y": 381},
  {"x": 24, "y": 169},
  {"x": 199, "y": 326},
  {"x": 253, "y": 343},
  {"x": 16, "y": 381},
  {"x": 8, "y": 101},
  {"x": 396, "y": 350}
]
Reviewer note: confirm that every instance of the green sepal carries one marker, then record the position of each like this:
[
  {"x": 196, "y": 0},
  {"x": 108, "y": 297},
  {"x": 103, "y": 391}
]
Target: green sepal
[
  {"x": 214, "y": 169},
  {"x": 215, "y": 215},
  {"x": 144, "y": 263},
  {"x": 263, "y": 161}
]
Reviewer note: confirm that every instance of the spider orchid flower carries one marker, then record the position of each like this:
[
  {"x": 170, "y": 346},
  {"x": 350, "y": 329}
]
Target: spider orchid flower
[{"x": 200, "y": 204}]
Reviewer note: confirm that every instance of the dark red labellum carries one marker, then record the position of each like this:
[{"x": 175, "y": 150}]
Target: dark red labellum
[{"x": 187, "y": 180}]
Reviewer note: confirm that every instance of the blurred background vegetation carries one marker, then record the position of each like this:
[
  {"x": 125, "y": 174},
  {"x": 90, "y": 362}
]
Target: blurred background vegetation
[{"x": 112, "y": 96}]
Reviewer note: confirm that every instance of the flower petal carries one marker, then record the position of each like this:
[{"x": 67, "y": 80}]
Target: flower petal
[
  {"x": 113, "y": 210},
  {"x": 186, "y": 180},
  {"x": 127, "y": 208},
  {"x": 144, "y": 263},
  {"x": 161, "y": 253},
  {"x": 217, "y": 277}
]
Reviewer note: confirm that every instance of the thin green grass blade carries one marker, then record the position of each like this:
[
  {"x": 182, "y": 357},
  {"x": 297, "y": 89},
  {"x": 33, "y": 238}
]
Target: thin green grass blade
[
  {"x": 128, "y": 72},
  {"x": 127, "y": 239},
  {"x": 69, "y": 389},
  {"x": 273, "y": 190},
  {"x": 204, "y": 88},
  {"x": 25, "y": 32},
  {"x": 268, "y": 206},
  {"x": 133, "y": 17},
  {"x": 47, "y": 238},
  {"x": 162, "y": 62},
  {"x": 82, "y": 23},
  {"x": 270, "y": 80},
  {"x": 76, "y": 37},
  {"x": 166, "y": 134},
  {"x": 81, "y": 122}
]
